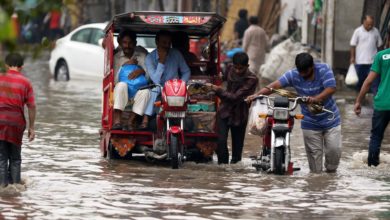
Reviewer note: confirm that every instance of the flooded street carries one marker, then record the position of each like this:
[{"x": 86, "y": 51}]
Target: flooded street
[{"x": 66, "y": 178}]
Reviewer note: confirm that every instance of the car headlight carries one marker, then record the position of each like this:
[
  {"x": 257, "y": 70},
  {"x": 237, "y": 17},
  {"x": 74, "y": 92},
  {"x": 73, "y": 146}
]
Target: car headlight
[
  {"x": 280, "y": 114},
  {"x": 176, "y": 101}
]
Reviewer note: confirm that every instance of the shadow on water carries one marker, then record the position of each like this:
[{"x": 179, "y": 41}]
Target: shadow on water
[{"x": 67, "y": 179}]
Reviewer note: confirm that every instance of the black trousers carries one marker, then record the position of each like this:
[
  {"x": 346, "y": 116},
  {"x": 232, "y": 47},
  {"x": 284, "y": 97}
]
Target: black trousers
[
  {"x": 10, "y": 163},
  {"x": 237, "y": 135}
]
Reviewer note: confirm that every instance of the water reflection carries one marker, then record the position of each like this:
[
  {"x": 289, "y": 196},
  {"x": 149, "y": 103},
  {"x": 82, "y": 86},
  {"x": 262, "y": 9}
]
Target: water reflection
[{"x": 67, "y": 179}]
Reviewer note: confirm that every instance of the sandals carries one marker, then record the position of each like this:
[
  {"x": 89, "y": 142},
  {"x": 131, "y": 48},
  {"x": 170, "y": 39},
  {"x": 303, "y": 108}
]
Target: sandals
[
  {"x": 144, "y": 125},
  {"x": 131, "y": 127}
]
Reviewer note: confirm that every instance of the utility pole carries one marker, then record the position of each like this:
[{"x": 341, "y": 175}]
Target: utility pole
[
  {"x": 179, "y": 5},
  {"x": 113, "y": 12},
  {"x": 327, "y": 44},
  {"x": 304, "y": 27}
]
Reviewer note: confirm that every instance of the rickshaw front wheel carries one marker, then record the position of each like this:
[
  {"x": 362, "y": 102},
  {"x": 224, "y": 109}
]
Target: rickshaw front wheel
[{"x": 174, "y": 152}]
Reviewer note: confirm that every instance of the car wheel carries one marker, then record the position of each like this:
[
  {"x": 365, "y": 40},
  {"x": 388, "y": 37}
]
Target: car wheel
[{"x": 61, "y": 71}]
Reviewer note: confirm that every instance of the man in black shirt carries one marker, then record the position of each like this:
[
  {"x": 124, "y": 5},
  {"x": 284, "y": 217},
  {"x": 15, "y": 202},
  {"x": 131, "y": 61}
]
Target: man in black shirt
[{"x": 241, "y": 25}]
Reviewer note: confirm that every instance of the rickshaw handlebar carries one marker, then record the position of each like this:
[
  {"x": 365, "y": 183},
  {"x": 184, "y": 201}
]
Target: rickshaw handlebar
[{"x": 151, "y": 86}]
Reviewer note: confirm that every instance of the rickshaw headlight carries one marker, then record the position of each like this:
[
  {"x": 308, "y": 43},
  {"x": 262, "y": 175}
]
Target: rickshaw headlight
[
  {"x": 176, "y": 101},
  {"x": 280, "y": 114}
]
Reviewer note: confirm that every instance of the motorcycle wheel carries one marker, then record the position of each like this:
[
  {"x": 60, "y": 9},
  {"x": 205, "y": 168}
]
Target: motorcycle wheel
[
  {"x": 279, "y": 160},
  {"x": 174, "y": 152}
]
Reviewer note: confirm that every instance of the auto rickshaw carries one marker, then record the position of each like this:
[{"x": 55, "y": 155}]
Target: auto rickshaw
[{"x": 187, "y": 132}]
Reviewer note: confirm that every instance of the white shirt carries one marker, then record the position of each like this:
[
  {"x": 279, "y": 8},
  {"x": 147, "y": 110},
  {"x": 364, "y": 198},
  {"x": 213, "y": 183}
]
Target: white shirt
[
  {"x": 366, "y": 43},
  {"x": 120, "y": 58}
]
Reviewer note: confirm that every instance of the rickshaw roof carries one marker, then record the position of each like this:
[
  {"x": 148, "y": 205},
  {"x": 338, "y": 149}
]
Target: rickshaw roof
[{"x": 150, "y": 22}]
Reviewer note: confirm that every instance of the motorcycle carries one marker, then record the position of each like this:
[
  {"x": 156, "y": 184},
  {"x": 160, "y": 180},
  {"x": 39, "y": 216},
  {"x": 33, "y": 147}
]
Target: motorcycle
[
  {"x": 275, "y": 156},
  {"x": 170, "y": 142}
]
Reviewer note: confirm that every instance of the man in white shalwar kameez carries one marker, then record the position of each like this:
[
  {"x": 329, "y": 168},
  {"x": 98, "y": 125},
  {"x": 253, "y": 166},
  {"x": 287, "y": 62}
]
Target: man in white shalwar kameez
[{"x": 255, "y": 42}]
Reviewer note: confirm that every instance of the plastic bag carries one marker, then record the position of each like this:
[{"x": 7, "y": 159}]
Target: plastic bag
[
  {"x": 257, "y": 125},
  {"x": 351, "y": 79},
  {"x": 132, "y": 84}
]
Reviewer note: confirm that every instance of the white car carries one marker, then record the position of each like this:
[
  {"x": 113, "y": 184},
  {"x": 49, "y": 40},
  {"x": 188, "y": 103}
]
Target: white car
[{"x": 80, "y": 54}]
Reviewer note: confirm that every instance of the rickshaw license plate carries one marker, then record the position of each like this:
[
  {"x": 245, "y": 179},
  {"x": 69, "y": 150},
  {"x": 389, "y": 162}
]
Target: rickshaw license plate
[{"x": 179, "y": 114}]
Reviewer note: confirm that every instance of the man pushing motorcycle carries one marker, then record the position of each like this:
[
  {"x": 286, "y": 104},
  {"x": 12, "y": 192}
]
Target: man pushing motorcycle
[{"x": 321, "y": 135}]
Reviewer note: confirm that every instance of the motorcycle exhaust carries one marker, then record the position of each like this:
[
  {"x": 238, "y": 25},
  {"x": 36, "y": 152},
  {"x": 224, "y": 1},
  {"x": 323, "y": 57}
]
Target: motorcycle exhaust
[{"x": 152, "y": 155}]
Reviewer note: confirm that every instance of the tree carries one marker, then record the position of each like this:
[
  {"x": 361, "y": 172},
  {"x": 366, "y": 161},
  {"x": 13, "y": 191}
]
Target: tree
[{"x": 13, "y": 14}]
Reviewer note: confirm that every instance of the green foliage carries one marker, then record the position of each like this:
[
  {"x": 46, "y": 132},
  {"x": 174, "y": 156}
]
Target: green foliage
[
  {"x": 5, "y": 26},
  {"x": 26, "y": 10}
]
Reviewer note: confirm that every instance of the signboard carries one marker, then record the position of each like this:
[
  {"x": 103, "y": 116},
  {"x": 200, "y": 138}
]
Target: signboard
[{"x": 166, "y": 19}]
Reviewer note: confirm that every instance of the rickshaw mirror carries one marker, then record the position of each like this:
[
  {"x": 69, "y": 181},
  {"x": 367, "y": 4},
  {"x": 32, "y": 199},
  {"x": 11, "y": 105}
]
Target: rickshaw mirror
[{"x": 206, "y": 52}]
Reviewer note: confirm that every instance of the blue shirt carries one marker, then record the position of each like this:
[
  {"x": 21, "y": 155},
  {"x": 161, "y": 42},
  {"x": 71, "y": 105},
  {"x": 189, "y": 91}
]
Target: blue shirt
[
  {"x": 160, "y": 73},
  {"x": 323, "y": 78}
]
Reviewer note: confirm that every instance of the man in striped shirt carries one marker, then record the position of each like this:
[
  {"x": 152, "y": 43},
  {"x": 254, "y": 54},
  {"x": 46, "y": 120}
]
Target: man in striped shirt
[
  {"x": 15, "y": 92},
  {"x": 321, "y": 135}
]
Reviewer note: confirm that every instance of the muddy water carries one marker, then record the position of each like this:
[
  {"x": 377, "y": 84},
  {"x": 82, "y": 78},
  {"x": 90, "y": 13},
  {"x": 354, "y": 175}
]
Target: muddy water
[{"x": 65, "y": 177}]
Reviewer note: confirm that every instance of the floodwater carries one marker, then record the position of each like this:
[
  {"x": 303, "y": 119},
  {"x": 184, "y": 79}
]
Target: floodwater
[{"x": 66, "y": 178}]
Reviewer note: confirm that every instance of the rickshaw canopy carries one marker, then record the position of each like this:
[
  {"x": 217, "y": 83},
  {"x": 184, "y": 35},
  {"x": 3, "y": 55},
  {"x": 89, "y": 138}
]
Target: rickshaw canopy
[{"x": 150, "y": 22}]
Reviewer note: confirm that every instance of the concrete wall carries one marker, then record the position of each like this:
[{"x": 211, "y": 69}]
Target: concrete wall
[
  {"x": 292, "y": 8},
  {"x": 347, "y": 18}
]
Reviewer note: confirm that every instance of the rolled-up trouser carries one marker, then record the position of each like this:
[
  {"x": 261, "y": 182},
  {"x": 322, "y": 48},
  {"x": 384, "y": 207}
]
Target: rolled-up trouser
[
  {"x": 10, "y": 163},
  {"x": 318, "y": 142},
  {"x": 254, "y": 67},
  {"x": 237, "y": 136},
  {"x": 121, "y": 99}
]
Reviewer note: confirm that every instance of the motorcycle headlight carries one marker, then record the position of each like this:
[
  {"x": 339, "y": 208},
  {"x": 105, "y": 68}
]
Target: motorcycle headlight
[
  {"x": 280, "y": 114},
  {"x": 176, "y": 101}
]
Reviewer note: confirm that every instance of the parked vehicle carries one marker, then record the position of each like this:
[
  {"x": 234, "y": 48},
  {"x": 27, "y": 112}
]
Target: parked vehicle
[
  {"x": 80, "y": 53},
  {"x": 183, "y": 129}
]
